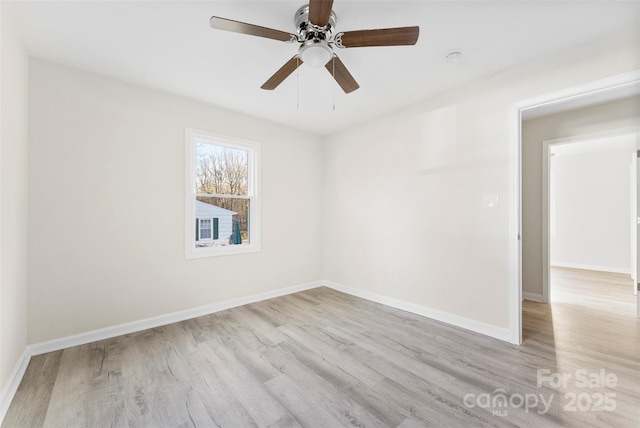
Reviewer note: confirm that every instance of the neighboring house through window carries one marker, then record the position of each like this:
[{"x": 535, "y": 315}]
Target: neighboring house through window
[{"x": 222, "y": 195}]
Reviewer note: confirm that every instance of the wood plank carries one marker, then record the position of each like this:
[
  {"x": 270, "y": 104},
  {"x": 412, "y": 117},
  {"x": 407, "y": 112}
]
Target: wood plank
[
  {"x": 296, "y": 400},
  {"x": 253, "y": 395},
  {"x": 35, "y": 390},
  {"x": 324, "y": 394}
]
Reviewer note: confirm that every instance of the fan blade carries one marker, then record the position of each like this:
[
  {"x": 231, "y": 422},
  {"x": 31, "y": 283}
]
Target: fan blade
[
  {"x": 320, "y": 12},
  {"x": 342, "y": 75},
  {"x": 250, "y": 29},
  {"x": 383, "y": 37},
  {"x": 284, "y": 72}
]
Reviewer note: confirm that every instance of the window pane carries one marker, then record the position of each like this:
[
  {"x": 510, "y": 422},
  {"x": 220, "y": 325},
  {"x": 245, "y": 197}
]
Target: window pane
[
  {"x": 231, "y": 220},
  {"x": 205, "y": 229},
  {"x": 221, "y": 170}
]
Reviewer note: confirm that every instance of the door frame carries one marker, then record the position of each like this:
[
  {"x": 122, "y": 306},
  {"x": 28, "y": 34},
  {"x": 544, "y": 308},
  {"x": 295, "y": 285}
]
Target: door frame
[
  {"x": 636, "y": 225},
  {"x": 635, "y": 214},
  {"x": 516, "y": 110}
]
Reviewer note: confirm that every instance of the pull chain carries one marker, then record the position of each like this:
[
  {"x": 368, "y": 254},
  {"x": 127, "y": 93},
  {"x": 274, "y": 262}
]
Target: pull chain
[
  {"x": 333, "y": 87},
  {"x": 297, "y": 83}
]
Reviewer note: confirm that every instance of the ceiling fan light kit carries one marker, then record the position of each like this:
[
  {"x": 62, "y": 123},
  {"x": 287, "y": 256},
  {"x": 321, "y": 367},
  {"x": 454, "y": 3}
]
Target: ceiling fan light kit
[
  {"x": 315, "y": 24},
  {"x": 315, "y": 53}
]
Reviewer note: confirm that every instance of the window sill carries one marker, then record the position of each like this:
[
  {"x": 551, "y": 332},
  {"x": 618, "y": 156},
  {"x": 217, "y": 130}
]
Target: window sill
[{"x": 198, "y": 253}]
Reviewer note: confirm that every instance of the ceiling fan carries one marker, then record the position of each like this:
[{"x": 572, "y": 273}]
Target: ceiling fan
[{"x": 315, "y": 24}]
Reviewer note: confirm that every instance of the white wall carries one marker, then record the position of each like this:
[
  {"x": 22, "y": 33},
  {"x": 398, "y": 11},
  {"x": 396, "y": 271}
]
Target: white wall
[
  {"x": 13, "y": 202},
  {"x": 608, "y": 116},
  {"x": 404, "y": 193},
  {"x": 593, "y": 207},
  {"x": 106, "y": 244}
]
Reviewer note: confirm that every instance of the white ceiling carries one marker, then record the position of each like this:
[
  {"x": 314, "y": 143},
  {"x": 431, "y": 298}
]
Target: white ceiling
[{"x": 169, "y": 45}]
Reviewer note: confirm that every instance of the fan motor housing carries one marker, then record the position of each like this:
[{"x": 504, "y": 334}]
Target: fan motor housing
[{"x": 309, "y": 31}]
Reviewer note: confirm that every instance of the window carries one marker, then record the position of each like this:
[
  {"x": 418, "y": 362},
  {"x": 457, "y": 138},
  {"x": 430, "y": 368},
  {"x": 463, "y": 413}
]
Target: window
[
  {"x": 222, "y": 195},
  {"x": 205, "y": 229}
]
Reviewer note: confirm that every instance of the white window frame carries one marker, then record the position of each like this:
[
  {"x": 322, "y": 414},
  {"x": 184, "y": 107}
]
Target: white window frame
[{"x": 192, "y": 136}]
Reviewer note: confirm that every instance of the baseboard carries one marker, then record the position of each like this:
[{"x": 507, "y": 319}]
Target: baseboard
[
  {"x": 135, "y": 326},
  {"x": 10, "y": 389},
  {"x": 446, "y": 317},
  {"x": 591, "y": 267},
  {"x": 534, "y": 297},
  {"x": 132, "y": 327}
]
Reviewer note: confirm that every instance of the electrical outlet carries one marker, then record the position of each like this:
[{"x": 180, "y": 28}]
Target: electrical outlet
[
  {"x": 490, "y": 201},
  {"x": 229, "y": 278},
  {"x": 388, "y": 275}
]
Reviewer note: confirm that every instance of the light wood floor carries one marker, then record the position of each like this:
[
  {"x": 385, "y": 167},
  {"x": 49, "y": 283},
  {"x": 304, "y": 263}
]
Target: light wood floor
[{"x": 325, "y": 359}]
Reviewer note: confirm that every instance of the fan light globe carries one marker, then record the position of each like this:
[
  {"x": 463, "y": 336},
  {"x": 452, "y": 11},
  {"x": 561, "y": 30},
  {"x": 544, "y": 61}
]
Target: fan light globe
[{"x": 315, "y": 53}]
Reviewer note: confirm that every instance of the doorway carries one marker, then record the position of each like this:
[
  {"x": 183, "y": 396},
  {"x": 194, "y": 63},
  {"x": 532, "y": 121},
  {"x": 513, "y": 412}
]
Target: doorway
[{"x": 592, "y": 93}]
